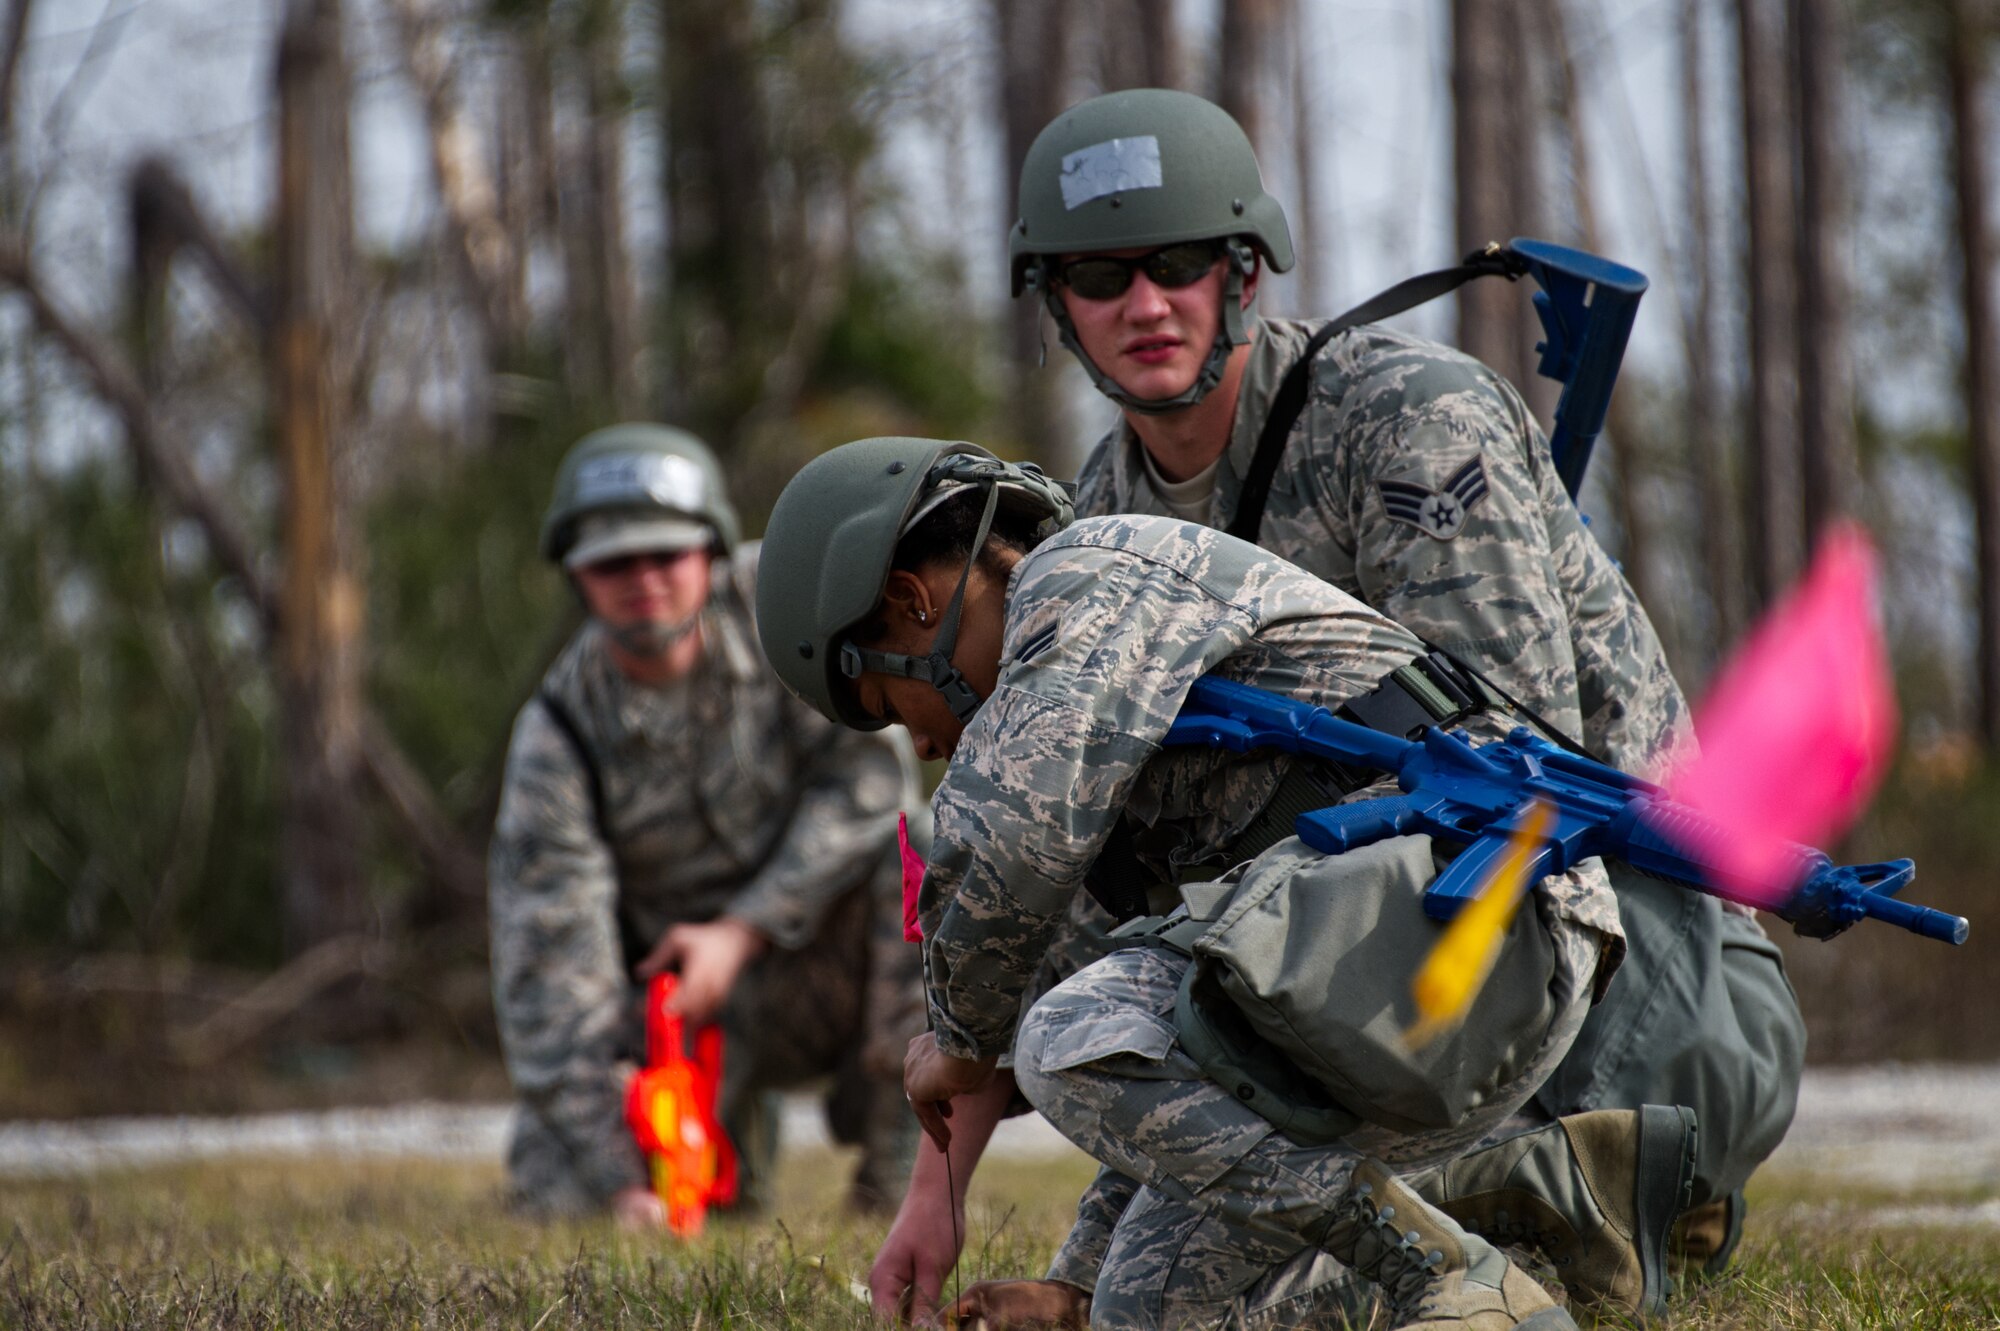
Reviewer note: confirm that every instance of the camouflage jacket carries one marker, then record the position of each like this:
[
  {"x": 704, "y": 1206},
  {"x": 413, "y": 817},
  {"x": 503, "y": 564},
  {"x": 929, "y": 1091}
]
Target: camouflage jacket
[
  {"x": 1416, "y": 481},
  {"x": 722, "y": 795},
  {"x": 1107, "y": 625}
]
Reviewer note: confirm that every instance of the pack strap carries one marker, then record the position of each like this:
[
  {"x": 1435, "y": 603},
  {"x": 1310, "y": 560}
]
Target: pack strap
[
  {"x": 566, "y": 723},
  {"x": 1495, "y": 260},
  {"x": 631, "y": 944}
]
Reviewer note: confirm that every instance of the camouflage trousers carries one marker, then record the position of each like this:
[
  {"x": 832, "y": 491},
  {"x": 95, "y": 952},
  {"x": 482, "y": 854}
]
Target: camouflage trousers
[
  {"x": 844, "y": 1008},
  {"x": 1225, "y": 1226},
  {"x": 1700, "y": 1014}
]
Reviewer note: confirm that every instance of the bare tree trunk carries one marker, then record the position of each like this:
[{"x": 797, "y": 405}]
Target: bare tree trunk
[
  {"x": 1971, "y": 29},
  {"x": 611, "y": 264},
  {"x": 1829, "y": 463},
  {"x": 600, "y": 310},
  {"x": 1316, "y": 259},
  {"x": 1721, "y": 537},
  {"x": 536, "y": 198},
  {"x": 479, "y": 237},
  {"x": 1138, "y": 45},
  {"x": 1629, "y": 469},
  {"x": 13, "y": 40},
  {"x": 1777, "y": 537},
  {"x": 718, "y": 166},
  {"x": 1250, "y": 33},
  {"x": 319, "y": 647},
  {"x": 1255, "y": 82},
  {"x": 1035, "y": 38},
  {"x": 1494, "y": 152}
]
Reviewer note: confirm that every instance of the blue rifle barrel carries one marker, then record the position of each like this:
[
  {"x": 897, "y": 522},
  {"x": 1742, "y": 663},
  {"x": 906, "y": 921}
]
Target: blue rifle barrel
[{"x": 1462, "y": 792}]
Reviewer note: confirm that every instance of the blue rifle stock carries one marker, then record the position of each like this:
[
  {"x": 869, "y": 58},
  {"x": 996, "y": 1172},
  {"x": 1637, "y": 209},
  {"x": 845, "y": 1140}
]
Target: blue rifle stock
[
  {"x": 1587, "y": 304},
  {"x": 1477, "y": 796}
]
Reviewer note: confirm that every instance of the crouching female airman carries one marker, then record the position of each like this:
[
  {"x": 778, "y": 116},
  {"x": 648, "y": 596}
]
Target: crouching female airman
[{"x": 1240, "y": 1076}]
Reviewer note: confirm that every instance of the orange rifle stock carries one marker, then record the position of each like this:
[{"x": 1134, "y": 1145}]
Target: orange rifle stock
[{"x": 671, "y": 1107}]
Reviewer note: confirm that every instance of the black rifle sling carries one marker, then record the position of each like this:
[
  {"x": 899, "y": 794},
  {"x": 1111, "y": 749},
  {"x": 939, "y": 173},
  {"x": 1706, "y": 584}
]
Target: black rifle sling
[
  {"x": 630, "y": 942},
  {"x": 1494, "y": 261}
]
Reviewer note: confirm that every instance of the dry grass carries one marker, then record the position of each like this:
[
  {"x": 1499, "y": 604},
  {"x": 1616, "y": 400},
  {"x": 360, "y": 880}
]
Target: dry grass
[{"x": 422, "y": 1245}]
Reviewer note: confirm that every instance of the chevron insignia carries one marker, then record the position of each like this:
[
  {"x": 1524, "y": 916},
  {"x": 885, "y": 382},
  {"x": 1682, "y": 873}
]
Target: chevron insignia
[{"x": 1439, "y": 514}]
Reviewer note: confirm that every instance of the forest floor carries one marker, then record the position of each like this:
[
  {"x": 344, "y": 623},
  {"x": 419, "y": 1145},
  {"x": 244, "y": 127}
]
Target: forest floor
[{"x": 1882, "y": 1210}]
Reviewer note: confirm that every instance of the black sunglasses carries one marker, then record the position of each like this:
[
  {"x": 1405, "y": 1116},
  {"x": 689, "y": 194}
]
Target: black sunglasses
[
  {"x": 1102, "y": 277},
  {"x": 620, "y": 566}
]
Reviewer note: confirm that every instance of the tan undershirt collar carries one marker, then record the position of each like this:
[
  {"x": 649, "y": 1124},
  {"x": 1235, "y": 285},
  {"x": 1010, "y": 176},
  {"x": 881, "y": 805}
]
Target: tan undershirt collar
[{"x": 1187, "y": 500}]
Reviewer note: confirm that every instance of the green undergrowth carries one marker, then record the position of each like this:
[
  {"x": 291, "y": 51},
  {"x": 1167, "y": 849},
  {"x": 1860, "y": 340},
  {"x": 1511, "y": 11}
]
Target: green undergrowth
[{"x": 327, "y": 1245}]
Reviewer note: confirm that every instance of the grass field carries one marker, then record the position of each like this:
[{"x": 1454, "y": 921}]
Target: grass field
[{"x": 411, "y": 1245}]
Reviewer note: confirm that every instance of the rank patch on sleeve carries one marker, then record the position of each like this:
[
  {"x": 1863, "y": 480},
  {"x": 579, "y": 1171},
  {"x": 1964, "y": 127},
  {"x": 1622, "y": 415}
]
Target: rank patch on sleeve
[{"x": 1439, "y": 514}]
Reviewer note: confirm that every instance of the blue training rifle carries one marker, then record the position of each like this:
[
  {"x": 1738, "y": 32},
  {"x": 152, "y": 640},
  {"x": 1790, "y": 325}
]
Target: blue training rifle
[
  {"x": 1586, "y": 304},
  {"x": 1479, "y": 795}
]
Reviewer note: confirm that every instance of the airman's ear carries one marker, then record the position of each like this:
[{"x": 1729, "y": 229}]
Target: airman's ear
[
  {"x": 907, "y": 601},
  {"x": 1250, "y": 278}
]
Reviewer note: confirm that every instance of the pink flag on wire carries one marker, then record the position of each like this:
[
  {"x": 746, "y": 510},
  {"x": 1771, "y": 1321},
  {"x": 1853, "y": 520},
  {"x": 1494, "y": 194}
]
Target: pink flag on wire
[
  {"x": 913, "y": 880},
  {"x": 1797, "y": 729}
]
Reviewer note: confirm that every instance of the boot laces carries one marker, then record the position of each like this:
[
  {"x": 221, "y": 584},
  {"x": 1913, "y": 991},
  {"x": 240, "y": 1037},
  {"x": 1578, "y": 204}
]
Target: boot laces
[{"x": 1396, "y": 1259}]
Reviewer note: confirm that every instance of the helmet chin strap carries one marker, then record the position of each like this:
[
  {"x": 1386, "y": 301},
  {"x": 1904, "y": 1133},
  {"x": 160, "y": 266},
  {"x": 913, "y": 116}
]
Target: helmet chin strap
[
  {"x": 1230, "y": 334},
  {"x": 936, "y": 668},
  {"x": 646, "y": 639},
  {"x": 651, "y": 637}
]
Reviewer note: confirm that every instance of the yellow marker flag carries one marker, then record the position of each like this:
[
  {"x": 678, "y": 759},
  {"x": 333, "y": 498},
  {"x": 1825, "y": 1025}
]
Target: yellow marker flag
[{"x": 1457, "y": 967}]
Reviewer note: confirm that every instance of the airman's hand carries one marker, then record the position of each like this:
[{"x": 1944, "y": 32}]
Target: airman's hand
[
  {"x": 638, "y": 1209},
  {"x": 933, "y": 1078},
  {"x": 709, "y": 957},
  {"x": 919, "y": 1252}
]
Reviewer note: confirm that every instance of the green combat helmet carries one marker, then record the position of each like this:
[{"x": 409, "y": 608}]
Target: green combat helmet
[
  {"x": 1147, "y": 167},
  {"x": 641, "y": 469},
  {"x": 828, "y": 550}
]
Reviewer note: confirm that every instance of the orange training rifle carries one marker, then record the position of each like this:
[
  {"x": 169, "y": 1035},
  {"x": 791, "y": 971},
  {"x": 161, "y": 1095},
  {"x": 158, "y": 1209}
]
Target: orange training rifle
[{"x": 671, "y": 1107}]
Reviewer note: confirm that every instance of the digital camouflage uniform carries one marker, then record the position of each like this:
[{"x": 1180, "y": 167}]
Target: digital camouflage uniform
[
  {"x": 1107, "y": 626},
  {"x": 723, "y": 795},
  {"x": 1417, "y": 481}
]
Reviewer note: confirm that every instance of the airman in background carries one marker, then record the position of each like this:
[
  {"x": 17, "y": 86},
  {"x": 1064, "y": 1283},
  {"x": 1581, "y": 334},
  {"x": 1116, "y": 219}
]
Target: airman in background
[{"x": 668, "y": 805}]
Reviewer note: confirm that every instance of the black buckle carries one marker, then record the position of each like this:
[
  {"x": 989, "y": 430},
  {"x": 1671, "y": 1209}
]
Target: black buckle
[{"x": 1429, "y": 691}]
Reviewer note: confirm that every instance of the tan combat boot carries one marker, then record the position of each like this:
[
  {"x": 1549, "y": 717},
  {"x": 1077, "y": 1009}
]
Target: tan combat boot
[
  {"x": 1432, "y": 1275},
  {"x": 1597, "y": 1194},
  {"x": 1705, "y": 1238}
]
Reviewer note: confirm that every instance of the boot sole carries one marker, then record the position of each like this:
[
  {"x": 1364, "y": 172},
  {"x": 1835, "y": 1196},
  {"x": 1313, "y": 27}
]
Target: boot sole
[
  {"x": 1667, "y": 1136},
  {"x": 1731, "y": 1236}
]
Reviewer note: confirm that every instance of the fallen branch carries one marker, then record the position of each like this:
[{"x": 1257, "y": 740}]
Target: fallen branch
[
  {"x": 120, "y": 389},
  {"x": 11, "y": 46},
  {"x": 165, "y": 219},
  {"x": 438, "y": 843},
  {"x": 278, "y": 995}
]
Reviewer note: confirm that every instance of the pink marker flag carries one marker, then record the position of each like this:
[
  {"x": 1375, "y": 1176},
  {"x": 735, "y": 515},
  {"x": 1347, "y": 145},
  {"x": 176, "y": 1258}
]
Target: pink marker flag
[
  {"x": 1797, "y": 729},
  {"x": 913, "y": 880}
]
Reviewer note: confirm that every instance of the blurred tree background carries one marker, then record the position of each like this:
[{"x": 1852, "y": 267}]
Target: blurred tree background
[{"x": 281, "y": 395}]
